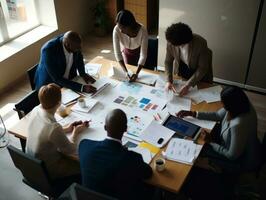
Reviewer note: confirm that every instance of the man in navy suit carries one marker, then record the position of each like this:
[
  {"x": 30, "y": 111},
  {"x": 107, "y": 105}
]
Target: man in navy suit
[
  {"x": 60, "y": 59},
  {"x": 107, "y": 167}
]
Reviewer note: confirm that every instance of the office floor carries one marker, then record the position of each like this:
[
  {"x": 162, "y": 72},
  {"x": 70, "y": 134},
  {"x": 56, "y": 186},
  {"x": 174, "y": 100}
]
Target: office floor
[{"x": 11, "y": 186}]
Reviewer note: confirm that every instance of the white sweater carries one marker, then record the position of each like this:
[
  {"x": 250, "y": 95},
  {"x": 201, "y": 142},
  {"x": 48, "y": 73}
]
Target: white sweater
[
  {"x": 47, "y": 139},
  {"x": 121, "y": 41}
]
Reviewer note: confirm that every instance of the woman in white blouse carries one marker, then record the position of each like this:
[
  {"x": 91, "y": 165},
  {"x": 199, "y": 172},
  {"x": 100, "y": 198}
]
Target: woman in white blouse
[
  {"x": 47, "y": 139},
  {"x": 130, "y": 40}
]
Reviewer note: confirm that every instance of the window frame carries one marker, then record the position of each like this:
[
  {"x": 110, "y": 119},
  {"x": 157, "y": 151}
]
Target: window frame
[{"x": 4, "y": 29}]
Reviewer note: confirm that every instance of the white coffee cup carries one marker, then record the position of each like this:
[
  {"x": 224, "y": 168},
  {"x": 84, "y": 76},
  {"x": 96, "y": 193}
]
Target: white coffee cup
[
  {"x": 82, "y": 102},
  {"x": 159, "y": 164}
]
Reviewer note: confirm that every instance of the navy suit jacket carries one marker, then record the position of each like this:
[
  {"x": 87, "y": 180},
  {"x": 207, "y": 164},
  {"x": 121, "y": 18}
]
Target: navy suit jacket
[
  {"x": 109, "y": 168},
  {"x": 52, "y": 66}
]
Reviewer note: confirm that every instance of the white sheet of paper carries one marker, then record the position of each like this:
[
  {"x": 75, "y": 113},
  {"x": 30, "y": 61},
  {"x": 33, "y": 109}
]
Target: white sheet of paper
[
  {"x": 176, "y": 103},
  {"x": 147, "y": 78},
  {"x": 212, "y": 94},
  {"x": 145, "y": 153},
  {"x": 181, "y": 150},
  {"x": 73, "y": 116},
  {"x": 137, "y": 122},
  {"x": 202, "y": 123},
  {"x": 117, "y": 73},
  {"x": 68, "y": 95},
  {"x": 154, "y": 132},
  {"x": 90, "y": 103},
  {"x": 93, "y": 68}
]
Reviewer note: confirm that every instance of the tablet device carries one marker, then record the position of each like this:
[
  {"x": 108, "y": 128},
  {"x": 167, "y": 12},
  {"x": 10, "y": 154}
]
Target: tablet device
[{"x": 182, "y": 128}]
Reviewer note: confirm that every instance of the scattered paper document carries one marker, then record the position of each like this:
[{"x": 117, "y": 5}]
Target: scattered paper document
[
  {"x": 176, "y": 103},
  {"x": 212, "y": 94},
  {"x": 181, "y": 150},
  {"x": 73, "y": 116},
  {"x": 143, "y": 77},
  {"x": 90, "y": 103},
  {"x": 145, "y": 153},
  {"x": 156, "y": 134},
  {"x": 93, "y": 69},
  {"x": 196, "y": 96},
  {"x": 117, "y": 73},
  {"x": 147, "y": 78},
  {"x": 137, "y": 122},
  {"x": 68, "y": 95}
]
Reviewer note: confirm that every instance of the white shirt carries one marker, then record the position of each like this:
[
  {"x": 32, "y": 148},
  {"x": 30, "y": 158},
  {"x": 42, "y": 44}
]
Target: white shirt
[
  {"x": 184, "y": 53},
  {"x": 47, "y": 139},
  {"x": 69, "y": 62},
  {"x": 121, "y": 40},
  {"x": 114, "y": 139}
]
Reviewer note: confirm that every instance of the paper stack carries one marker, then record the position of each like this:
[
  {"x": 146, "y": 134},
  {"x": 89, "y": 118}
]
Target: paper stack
[
  {"x": 183, "y": 151},
  {"x": 68, "y": 95}
]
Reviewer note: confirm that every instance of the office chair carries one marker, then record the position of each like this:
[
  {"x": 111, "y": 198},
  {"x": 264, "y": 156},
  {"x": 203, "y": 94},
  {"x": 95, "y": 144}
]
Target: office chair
[
  {"x": 31, "y": 75},
  {"x": 152, "y": 53},
  {"x": 24, "y": 106},
  {"x": 78, "y": 192},
  {"x": 35, "y": 173}
]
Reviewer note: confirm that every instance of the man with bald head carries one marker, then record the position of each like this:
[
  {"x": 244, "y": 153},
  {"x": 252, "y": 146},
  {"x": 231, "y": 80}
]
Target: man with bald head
[
  {"x": 60, "y": 60},
  {"x": 107, "y": 167}
]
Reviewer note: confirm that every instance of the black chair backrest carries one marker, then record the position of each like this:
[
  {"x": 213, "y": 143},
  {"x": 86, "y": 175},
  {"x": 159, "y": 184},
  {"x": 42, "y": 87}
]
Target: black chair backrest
[
  {"x": 264, "y": 148},
  {"x": 33, "y": 170},
  {"x": 78, "y": 192},
  {"x": 152, "y": 53},
  {"x": 25, "y": 105},
  {"x": 31, "y": 75}
]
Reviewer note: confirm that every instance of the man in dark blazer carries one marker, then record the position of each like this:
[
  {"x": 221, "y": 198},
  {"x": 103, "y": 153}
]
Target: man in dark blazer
[
  {"x": 107, "y": 167},
  {"x": 61, "y": 57}
]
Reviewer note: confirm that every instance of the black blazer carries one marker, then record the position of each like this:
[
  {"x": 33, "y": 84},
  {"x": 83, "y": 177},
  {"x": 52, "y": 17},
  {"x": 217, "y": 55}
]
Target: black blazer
[
  {"x": 108, "y": 167},
  {"x": 52, "y": 66}
]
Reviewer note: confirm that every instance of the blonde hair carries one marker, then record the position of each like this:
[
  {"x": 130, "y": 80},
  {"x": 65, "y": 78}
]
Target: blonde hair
[{"x": 49, "y": 95}]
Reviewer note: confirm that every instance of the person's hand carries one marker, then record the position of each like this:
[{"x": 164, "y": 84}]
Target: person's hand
[
  {"x": 68, "y": 128},
  {"x": 88, "y": 79},
  {"x": 206, "y": 136},
  {"x": 184, "y": 90},
  {"x": 75, "y": 123},
  {"x": 133, "y": 77},
  {"x": 185, "y": 113},
  {"x": 80, "y": 127},
  {"x": 89, "y": 89},
  {"x": 169, "y": 86}
]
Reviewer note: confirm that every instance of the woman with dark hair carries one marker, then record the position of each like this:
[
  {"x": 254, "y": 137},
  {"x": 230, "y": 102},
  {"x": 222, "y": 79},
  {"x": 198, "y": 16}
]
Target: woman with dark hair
[
  {"x": 132, "y": 38},
  {"x": 235, "y": 145},
  {"x": 188, "y": 55}
]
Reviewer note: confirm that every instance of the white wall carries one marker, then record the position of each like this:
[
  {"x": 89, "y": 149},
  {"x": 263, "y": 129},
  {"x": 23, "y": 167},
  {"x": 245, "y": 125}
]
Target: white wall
[
  {"x": 75, "y": 15},
  {"x": 227, "y": 25}
]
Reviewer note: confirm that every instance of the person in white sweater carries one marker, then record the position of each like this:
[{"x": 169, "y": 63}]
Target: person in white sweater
[
  {"x": 130, "y": 41},
  {"x": 235, "y": 146},
  {"x": 47, "y": 139}
]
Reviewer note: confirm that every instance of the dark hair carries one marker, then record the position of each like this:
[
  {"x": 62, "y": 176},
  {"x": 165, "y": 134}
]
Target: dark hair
[
  {"x": 235, "y": 101},
  {"x": 178, "y": 34},
  {"x": 126, "y": 18}
]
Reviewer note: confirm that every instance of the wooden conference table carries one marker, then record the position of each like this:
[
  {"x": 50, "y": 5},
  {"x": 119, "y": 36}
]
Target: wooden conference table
[{"x": 173, "y": 177}]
